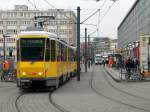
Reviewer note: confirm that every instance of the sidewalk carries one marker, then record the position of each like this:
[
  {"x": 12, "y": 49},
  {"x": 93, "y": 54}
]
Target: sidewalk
[
  {"x": 118, "y": 75},
  {"x": 114, "y": 74},
  {"x": 78, "y": 96}
]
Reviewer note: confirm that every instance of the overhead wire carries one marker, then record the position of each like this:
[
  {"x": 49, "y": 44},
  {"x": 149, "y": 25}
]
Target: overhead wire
[
  {"x": 93, "y": 32},
  {"x": 90, "y": 16},
  {"x": 56, "y": 8},
  {"x": 100, "y": 20},
  {"x": 99, "y": 17},
  {"x": 100, "y": 12},
  {"x": 70, "y": 18},
  {"x": 101, "y": 7},
  {"x": 33, "y": 5},
  {"x": 89, "y": 24},
  {"x": 106, "y": 12},
  {"x": 50, "y": 4}
]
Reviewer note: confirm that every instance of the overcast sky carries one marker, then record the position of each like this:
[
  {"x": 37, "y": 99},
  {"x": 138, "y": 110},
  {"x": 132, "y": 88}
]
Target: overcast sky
[{"x": 109, "y": 23}]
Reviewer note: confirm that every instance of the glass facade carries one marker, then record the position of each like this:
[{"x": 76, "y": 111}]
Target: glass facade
[{"x": 136, "y": 23}]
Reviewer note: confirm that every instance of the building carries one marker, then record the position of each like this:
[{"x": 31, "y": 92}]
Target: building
[
  {"x": 135, "y": 23},
  {"x": 113, "y": 44},
  {"x": 14, "y": 21},
  {"x": 10, "y": 44},
  {"x": 101, "y": 44}
]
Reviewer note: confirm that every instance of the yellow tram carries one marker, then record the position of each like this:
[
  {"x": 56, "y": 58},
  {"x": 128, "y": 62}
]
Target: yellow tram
[{"x": 43, "y": 60}]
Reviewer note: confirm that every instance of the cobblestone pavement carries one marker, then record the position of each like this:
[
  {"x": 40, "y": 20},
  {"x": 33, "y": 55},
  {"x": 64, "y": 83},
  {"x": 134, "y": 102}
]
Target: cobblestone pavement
[
  {"x": 74, "y": 96},
  {"x": 28, "y": 102},
  {"x": 36, "y": 102},
  {"x": 79, "y": 97},
  {"x": 8, "y": 93},
  {"x": 139, "y": 88}
]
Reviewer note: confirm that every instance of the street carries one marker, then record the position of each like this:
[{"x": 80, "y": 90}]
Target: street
[{"x": 96, "y": 92}]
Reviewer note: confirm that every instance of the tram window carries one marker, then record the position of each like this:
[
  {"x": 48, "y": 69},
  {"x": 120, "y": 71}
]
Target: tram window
[
  {"x": 53, "y": 50},
  {"x": 74, "y": 55},
  {"x": 32, "y": 49},
  {"x": 71, "y": 55},
  {"x": 68, "y": 54},
  {"x": 47, "y": 55},
  {"x": 63, "y": 52},
  {"x": 58, "y": 52},
  {"x": 17, "y": 50}
]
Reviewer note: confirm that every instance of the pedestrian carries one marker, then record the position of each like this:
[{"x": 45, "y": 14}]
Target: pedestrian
[
  {"x": 125, "y": 60},
  {"x": 5, "y": 68},
  {"x": 110, "y": 62},
  {"x": 128, "y": 67},
  {"x": 136, "y": 63},
  {"x": 104, "y": 62},
  {"x": 89, "y": 63}
]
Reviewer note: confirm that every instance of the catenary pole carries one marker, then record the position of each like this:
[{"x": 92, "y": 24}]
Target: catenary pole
[
  {"x": 85, "y": 59},
  {"x": 78, "y": 43},
  {"x": 4, "y": 47},
  {"x": 89, "y": 51}
]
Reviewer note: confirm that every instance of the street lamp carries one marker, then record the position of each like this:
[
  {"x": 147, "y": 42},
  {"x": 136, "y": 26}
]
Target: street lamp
[{"x": 4, "y": 36}]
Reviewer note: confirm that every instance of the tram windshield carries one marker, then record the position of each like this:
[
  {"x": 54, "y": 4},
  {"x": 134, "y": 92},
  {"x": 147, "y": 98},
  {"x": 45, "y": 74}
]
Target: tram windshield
[{"x": 32, "y": 49}]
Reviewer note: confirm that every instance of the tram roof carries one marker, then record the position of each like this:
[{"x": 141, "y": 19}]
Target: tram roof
[
  {"x": 44, "y": 33},
  {"x": 35, "y": 33}
]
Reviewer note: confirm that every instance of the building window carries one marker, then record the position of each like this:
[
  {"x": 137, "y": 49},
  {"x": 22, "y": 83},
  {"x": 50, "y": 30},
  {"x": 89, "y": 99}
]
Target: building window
[
  {"x": 12, "y": 31},
  {"x": 25, "y": 23},
  {"x": 1, "y": 23},
  {"x": 7, "y": 40},
  {"x": 21, "y": 14},
  {"x": 1, "y": 40},
  {"x": 10, "y": 23},
  {"x": 15, "y": 14},
  {"x": 1, "y": 31}
]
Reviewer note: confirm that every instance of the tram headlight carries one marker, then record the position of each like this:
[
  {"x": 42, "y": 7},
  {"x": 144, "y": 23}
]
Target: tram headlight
[
  {"x": 23, "y": 73},
  {"x": 40, "y": 73}
]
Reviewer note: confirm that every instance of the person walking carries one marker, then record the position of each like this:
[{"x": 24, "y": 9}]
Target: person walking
[
  {"x": 110, "y": 62},
  {"x": 128, "y": 67},
  {"x": 89, "y": 63},
  {"x": 104, "y": 62},
  {"x": 5, "y": 68}
]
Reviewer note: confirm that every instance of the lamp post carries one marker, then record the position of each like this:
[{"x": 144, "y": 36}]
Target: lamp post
[{"x": 4, "y": 45}]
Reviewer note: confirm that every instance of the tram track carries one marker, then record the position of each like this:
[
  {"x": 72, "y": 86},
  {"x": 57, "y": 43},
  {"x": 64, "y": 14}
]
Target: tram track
[
  {"x": 16, "y": 102},
  {"x": 118, "y": 89},
  {"x": 60, "y": 108},
  {"x": 97, "y": 91},
  {"x": 51, "y": 101}
]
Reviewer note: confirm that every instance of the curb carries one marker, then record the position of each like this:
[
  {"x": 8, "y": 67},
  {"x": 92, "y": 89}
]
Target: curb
[
  {"x": 129, "y": 81},
  {"x": 115, "y": 79}
]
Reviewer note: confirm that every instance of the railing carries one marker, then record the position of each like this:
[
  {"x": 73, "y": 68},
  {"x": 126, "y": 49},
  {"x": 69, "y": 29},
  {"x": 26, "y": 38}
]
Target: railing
[{"x": 128, "y": 73}]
